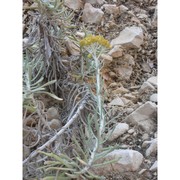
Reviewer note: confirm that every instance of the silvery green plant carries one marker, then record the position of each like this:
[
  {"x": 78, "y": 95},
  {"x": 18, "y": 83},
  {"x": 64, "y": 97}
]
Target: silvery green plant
[
  {"x": 33, "y": 85},
  {"x": 88, "y": 150}
]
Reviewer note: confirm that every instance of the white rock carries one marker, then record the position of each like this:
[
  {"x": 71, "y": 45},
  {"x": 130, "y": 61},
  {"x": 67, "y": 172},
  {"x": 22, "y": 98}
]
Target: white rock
[
  {"x": 124, "y": 72},
  {"x": 117, "y": 102},
  {"x": 119, "y": 130},
  {"x": 129, "y": 160},
  {"x": 80, "y": 34},
  {"x": 94, "y": 1},
  {"x": 52, "y": 113},
  {"x": 153, "y": 98},
  {"x": 123, "y": 8},
  {"x": 131, "y": 131},
  {"x": 111, "y": 9},
  {"x": 153, "y": 80},
  {"x": 72, "y": 48},
  {"x": 116, "y": 52},
  {"x": 142, "y": 116},
  {"x": 74, "y": 4},
  {"x": 130, "y": 37},
  {"x": 154, "y": 166},
  {"x": 146, "y": 86},
  {"x": 152, "y": 148},
  {"x": 92, "y": 15},
  {"x": 145, "y": 136}
]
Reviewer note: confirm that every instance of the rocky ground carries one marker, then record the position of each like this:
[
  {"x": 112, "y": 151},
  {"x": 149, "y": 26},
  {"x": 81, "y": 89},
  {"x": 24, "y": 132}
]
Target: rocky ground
[{"x": 130, "y": 77}]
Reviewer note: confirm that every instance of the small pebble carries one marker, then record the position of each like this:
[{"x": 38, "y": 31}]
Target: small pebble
[
  {"x": 142, "y": 171},
  {"x": 131, "y": 131},
  {"x": 145, "y": 136},
  {"x": 153, "y": 98}
]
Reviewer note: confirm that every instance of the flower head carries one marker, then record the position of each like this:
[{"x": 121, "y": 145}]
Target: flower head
[{"x": 91, "y": 39}]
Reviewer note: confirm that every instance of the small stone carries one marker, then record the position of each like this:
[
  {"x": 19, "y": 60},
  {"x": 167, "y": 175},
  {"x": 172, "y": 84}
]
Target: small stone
[
  {"x": 52, "y": 113},
  {"x": 129, "y": 110},
  {"x": 126, "y": 101},
  {"x": 129, "y": 96},
  {"x": 154, "y": 166},
  {"x": 152, "y": 148},
  {"x": 145, "y": 136},
  {"x": 142, "y": 171},
  {"x": 142, "y": 16},
  {"x": 93, "y": 2},
  {"x": 153, "y": 80},
  {"x": 146, "y": 86},
  {"x": 129, "y": 59},
  {"x": 111, "y": 9},
  {"x": 74, "y": 4},
  {"x": 107, "y": 59},
  {"x": 123, "y": 8},
  {"x": 92, "y": 15},
  {"x": 119, "y": 130},
  {"x": 146, "y": 67},
  {"x": 117, "y": 102},
  {"x": 129, "y": 160},
  {"x": 55, "y": 124},
  {"x": 124, "y": 72},
  {"x": 120, "y": 90},
  {"x": 116, "y": 52},
  {"x": 153, "y": 98},
  {"x": 131, "y": 131},
  {"x": 125, "y": 137},
  {"x": 130, "y": 37},
  {"x": 80, "y": 34},
  {"x": 72, "y": 48},
  {"x": 112, "y": 74},
  {"x": 142, "y": 116}
]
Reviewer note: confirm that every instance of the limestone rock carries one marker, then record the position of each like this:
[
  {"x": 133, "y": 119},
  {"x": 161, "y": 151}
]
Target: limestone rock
[
  {"x": 74, "y": 4},
  {"x": 123, "y": 8},
  {"x": 119, "y": 130},
  {"x": 142, "y": 116},
  {"x": 92, "y": 15},
  {"x": 153, "y": 80},
  {"x": 130, "y": 37},
  {"x": 154, "y": 166},
  {"x": 52, "y": 113},
  {"x": 152, "y": 149},
  {"x": 117, "y": 102},
  {"x": 124, "y": 72},
  {"x": 94, "y": 1},
  {"x": 116, "y": 52},
  {"x": 146, "y": 86},
  {"x": 153, "y": 98},
  {"x": 129, "y": 160},
  {"x": 72, "y": 48},
  {"x": 111, "y": 9}
]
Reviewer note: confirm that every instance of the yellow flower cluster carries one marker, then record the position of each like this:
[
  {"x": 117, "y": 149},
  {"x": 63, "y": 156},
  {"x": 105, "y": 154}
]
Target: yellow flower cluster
[{"x": 87, "y": 41}]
